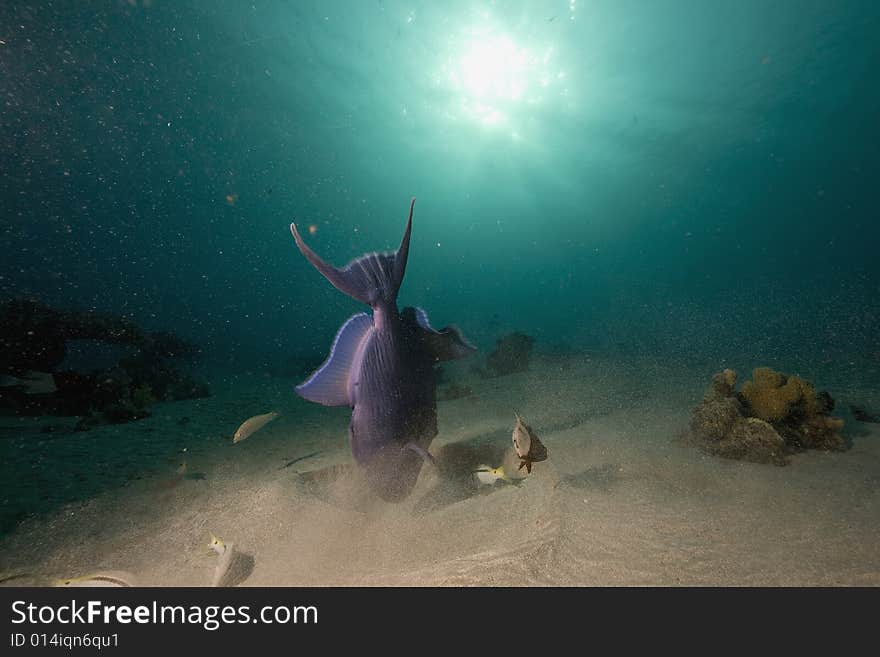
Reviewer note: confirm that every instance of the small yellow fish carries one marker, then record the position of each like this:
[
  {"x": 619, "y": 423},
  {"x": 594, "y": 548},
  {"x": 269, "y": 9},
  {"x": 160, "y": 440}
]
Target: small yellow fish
[
  {"x": 488, "y": 476},
  {"x": 217, "y": 545},
  {"x": 252, "y": 425},
  {"x": 107, "y": 578}
]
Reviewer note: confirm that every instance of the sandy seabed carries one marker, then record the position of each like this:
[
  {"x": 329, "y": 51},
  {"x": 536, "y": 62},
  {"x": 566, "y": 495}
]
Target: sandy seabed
[{"x": 617, "y": 503}]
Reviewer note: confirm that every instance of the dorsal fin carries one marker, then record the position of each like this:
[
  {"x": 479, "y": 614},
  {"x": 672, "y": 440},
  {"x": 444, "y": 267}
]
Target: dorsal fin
[{"x": 448, "y": 343}]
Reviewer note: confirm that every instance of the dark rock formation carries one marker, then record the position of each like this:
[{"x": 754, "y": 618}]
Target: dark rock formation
[
  {"x": 33, "y": 336},
  {"x": 33, "y": 339}
]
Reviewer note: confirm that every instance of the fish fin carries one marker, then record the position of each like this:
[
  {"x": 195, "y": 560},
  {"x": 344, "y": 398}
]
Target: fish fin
[
  {"x": 329, "y": 384},
  {"x": 537, "y": 449},
  {"x": 421, "y": 318},
  {"x": 372, "y": 278},
  {"x": 448, "y": 343}
]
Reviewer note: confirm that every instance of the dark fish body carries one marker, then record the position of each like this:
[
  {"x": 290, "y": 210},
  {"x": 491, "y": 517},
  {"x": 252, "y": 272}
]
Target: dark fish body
[{"x": 382, "y": 367}]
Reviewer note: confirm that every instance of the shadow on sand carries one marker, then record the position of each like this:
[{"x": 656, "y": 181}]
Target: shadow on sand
[
  {"x": 599, "y": 477},
  {"x": 456, "y": 464}
]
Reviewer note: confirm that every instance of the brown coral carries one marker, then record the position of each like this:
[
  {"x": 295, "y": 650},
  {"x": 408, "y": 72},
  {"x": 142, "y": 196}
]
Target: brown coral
[
  {"x": 772, "y": 396},
  {"x": 772, "y": 416}
]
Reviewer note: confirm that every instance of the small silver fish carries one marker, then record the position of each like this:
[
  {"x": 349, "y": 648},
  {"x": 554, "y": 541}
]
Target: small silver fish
[{"x": 252, "y": 425}]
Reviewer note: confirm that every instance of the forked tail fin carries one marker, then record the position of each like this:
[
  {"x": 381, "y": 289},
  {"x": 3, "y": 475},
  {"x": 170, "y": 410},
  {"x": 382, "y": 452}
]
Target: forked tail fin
[{"x": 372, "y": 278}]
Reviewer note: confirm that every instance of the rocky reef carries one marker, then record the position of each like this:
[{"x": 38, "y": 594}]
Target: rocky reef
[
  {"x": 34, "y": 336},
  {"x": 770, "y": 418},
  {"x": 34, "y": 341},
  {"x": 511, "y": 354}
]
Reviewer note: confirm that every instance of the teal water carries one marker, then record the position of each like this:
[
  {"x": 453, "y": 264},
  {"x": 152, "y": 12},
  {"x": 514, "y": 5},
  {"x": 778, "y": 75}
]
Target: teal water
[
  {"x": 596, "y": 172},
  {"x": 686, "y": 179}
]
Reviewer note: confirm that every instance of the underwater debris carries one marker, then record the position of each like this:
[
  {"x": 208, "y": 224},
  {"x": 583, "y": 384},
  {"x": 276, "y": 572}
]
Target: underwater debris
[
  {"x": 772, "y": 417},
  {"x": 252, "y": 425},
  {"x": 528, "y": 446},
  {"x": 512, "y": 354}
]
